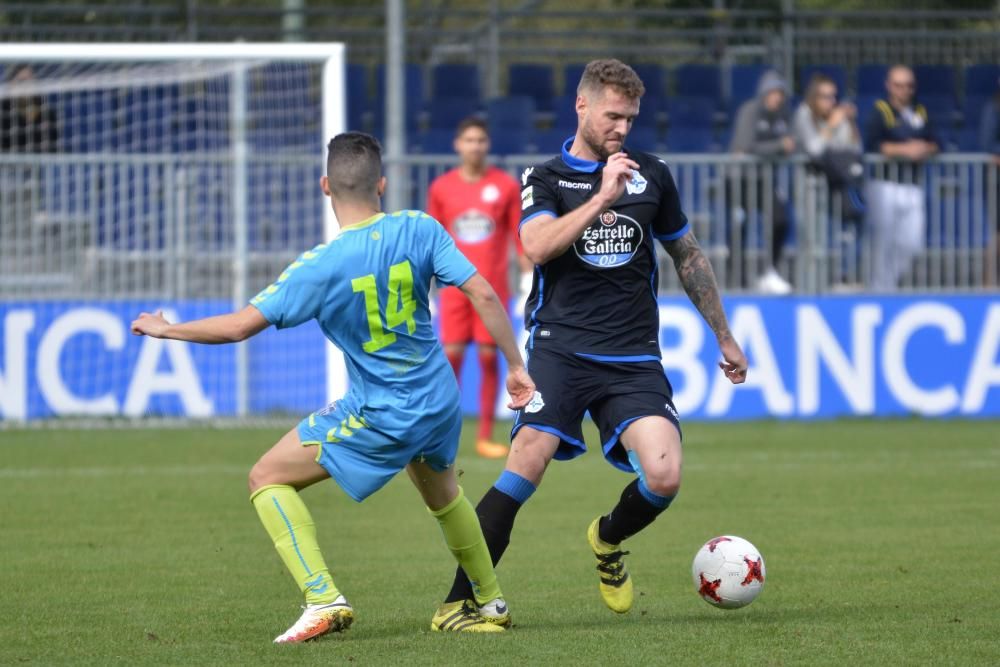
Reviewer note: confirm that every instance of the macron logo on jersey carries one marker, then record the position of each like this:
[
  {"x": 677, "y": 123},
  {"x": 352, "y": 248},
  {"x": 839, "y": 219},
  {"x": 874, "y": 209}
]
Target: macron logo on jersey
[
  {"x": 525, "y": 174},
  {"x": 574, "y": 186}
]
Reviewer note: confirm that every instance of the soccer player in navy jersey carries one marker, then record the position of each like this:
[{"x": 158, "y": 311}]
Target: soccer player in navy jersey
[
  {"x": 589, "y": 220},
  {"x": 368, "y": 290}
]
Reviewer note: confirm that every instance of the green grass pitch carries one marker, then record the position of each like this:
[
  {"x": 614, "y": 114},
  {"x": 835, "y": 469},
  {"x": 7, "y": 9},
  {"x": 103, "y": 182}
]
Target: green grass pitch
[{"x": 881, "y": 540}]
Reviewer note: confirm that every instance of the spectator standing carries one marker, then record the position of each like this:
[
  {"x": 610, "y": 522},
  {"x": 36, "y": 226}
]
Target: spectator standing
[
  {"x": 763, "y": 129},
  {"x": 900, "y": 131}
]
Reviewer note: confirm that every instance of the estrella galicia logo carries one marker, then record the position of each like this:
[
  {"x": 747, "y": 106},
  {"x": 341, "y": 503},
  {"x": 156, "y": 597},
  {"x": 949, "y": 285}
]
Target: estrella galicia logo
[{"x": 612, "y": 240}]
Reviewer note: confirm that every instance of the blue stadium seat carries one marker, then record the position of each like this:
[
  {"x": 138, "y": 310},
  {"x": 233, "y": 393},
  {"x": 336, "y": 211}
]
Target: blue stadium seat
[
  {"x": 447, "y": 112},
  {"x": 941, "y": 108},
  {"x": 650, "y": 110},
  {"x": 456, "y": 80},
  {"x": 698, "y": 81},
  {"x": 935, "y": 80},
  {"x": 981, "y": 80},
  {"x": 549, "y": 142},
  {"x": 972, "y": 110},
  {"x": 968, "y": 140},
  {"x": 871, "y": 80},
  {"x": 644, "y": 139},
  {"x": 437, "y": 141},
  {"x": 835, "y": 72},
  {"x": 689, "y": 139},
  {"x": 414, "y": 88},
  {"x": 357, "y": 95},
  {"x": 532, "y": 80},
  {"x": 507, "y": 141},
  {"x": 652, "y": 79},
  {"x": 690, "y": 111},
  {"x": 571, "y": 77},
  {"x": 743, "y": 83},
  {"x": 565, "y": 108},
  {"x": 515, "y": 112}
]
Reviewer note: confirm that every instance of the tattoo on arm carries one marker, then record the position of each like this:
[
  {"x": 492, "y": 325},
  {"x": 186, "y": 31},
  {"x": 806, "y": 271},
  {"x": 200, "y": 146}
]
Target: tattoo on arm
[{"x": 698, "y": 279}]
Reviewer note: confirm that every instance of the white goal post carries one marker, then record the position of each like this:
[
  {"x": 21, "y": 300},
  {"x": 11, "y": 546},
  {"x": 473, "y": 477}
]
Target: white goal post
[{"x": 127, "y": 149}]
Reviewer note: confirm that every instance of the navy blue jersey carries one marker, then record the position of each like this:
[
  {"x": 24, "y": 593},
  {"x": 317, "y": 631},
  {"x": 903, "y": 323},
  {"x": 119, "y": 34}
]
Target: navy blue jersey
[
  {"x": 599, "y": 297},
  {"x": 889, "y": 125}
]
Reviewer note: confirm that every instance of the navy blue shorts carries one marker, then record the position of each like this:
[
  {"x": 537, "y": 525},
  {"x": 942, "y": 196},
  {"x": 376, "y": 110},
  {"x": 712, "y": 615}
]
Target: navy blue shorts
[{"x": 615, "y": 392}]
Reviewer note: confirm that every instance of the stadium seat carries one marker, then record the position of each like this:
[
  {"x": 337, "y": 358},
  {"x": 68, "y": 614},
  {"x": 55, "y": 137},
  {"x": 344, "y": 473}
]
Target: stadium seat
[
  {"x": 835, "y": 72},
  {"x": 565, "y": 108},
  {"x": 969, "y": 140},
  {"x": 515, "y": 112},
  {"x": 456, "y": 80},
  {"x": 357, "y": 95},
  {"x": 549, "y": 142},
  {"x": 941, "y": 108},
  {"x": 972, "y": 110},
  {"x": 447, "y": 112},
  {"x": 414, "y": 88},
  {"x": 938, "y": 80},
  {"x": 506, "y": 141},
  {"x": 652, "y": 79},
  {"x": 698, "y": 81},
  {"x": 644, "y": 139},
  {"x": 437, "y": 141},
  {"x": 689, "y": 139},
  {"x": 981, "y": 80},
  {"x": 743, "y": 83},
  {"x": 571, "y": 77},
  {"x": 871, "y": 80},
  {"x": 690, "y": 112},
  {"x": 532, "y": 80}
]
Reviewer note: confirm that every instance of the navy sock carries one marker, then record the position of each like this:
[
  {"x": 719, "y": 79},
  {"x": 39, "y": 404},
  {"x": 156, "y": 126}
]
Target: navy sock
[
  {"x": 637, "y": 508},
  {"x": 496, "y": 512}
]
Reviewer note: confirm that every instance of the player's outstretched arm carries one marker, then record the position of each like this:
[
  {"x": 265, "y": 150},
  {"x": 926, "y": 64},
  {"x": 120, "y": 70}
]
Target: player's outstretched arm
[
  {"x": 520, "y": 386},
  {"x": 698, "y": 280},
  {"x": 544, "y": 237},
  {"x": 228, "y": 328}
]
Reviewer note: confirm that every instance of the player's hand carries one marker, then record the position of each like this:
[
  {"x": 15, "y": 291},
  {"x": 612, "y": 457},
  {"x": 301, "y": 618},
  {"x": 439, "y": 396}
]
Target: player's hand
[
  {"x": 734, "y": 363},
  {"x": 520, "y": 386},
  {"x": 153, "y": 325},
  {"x": 617, "y": 172}
]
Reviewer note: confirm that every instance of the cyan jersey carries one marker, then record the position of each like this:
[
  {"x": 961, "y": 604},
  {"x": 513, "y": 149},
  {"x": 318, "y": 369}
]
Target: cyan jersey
[{"x": 368, "y": 289}]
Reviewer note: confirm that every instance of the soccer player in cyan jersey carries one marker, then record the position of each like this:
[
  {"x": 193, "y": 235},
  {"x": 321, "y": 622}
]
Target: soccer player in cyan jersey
[
  {"x": 589, "y": 219},
  {"x": 367, "y": 289},
  {"x": 480, "y": 206}
]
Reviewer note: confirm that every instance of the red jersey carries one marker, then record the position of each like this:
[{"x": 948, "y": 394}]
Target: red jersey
[{"x": 482, "y": 217}]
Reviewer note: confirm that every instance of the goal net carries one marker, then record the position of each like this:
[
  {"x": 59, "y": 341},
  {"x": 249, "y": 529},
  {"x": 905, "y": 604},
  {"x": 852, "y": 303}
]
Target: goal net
[{"x": 139, "y": 177}]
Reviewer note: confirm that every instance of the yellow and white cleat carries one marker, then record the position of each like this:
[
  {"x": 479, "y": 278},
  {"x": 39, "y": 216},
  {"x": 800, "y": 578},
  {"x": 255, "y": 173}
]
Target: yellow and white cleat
[
  {"x": 463, "y": 616},
  {"x": 616, "y": 584},
  {"x": 496, "y": 612},
  {"x": 318, "y": 620}
]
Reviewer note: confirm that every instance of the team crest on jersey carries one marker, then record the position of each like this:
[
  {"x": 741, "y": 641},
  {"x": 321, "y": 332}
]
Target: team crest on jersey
[
  {"x": 612, "y": 240},
  {"x": 490, "y": 193},
  {"x": 636, "y": 185},
  {"x": 535, "y": 404},
  {"x": 472, "y": 226}
]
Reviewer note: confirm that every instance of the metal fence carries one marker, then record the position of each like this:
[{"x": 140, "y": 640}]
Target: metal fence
[{"x": 160, "y": 226}]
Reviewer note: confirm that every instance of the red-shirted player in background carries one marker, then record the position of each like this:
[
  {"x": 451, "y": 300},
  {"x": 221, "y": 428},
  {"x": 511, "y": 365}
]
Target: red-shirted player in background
[{"x": 480, "y": 206}]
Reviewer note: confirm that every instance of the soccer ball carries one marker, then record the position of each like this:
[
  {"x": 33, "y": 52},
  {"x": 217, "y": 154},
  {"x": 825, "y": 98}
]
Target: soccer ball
[{"x": 728, "y": 572}]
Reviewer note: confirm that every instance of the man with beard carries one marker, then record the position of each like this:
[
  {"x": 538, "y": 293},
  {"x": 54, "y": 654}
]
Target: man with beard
[{"x": 589, "y": 217}]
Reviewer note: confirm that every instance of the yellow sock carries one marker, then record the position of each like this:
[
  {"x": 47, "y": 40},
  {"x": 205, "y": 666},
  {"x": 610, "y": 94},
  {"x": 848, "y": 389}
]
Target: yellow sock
[
  {"x": 287, "y": 520},
  {"x": 464, "y": 537}
]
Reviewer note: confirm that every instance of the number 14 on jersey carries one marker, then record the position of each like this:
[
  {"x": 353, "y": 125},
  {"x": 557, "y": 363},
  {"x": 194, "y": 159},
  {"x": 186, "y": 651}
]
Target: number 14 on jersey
[{"x": 399, "y": 307}]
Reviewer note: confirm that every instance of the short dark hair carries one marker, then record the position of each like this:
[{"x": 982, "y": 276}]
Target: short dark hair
[
  {"x": 354, "y": 165},
  {"x": 471, "y": 121},
  {"x": 611, "y": 72}
]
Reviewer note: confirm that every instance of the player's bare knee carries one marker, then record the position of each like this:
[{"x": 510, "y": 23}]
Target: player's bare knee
[
  {"x": 529, "y": 455},
  {"x": 259, "y": 476},
  {"x": 664, "y": 480}
]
